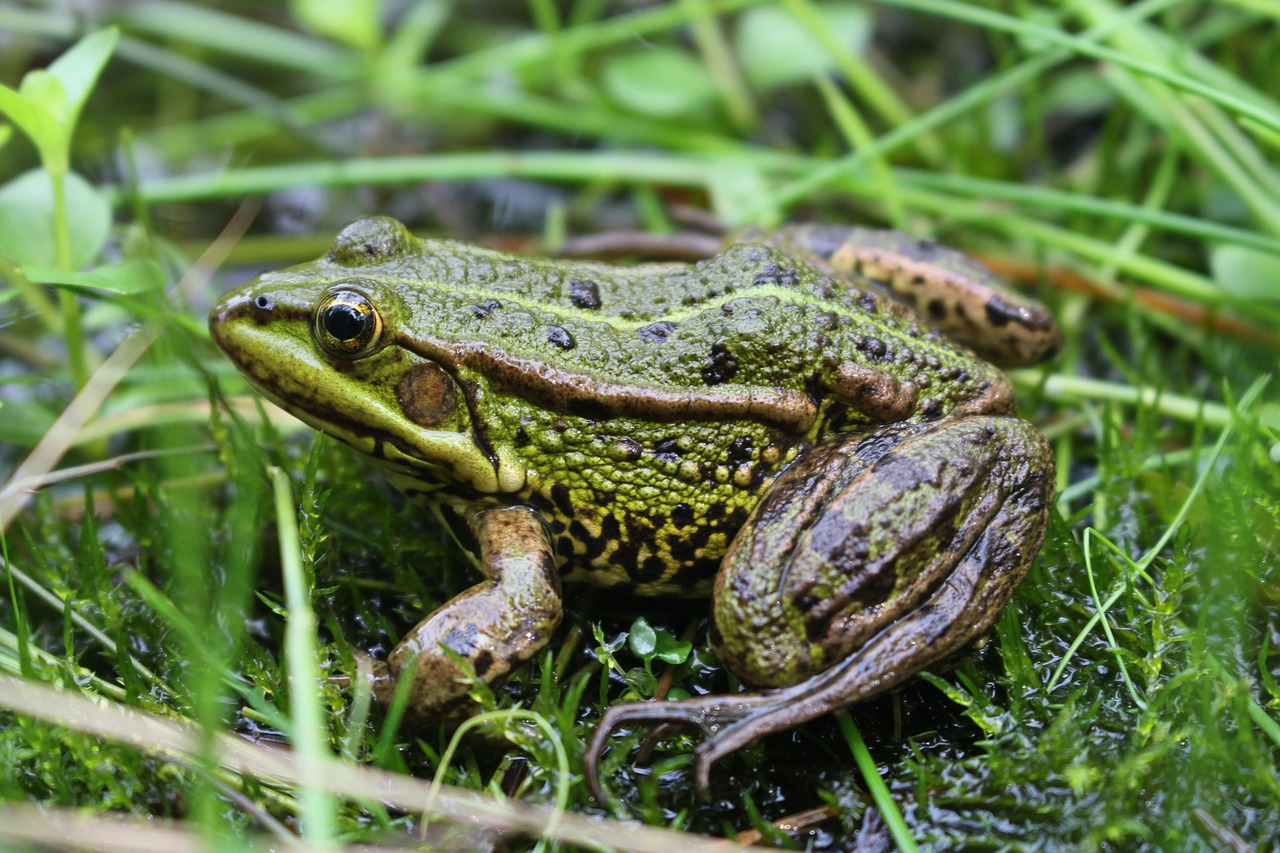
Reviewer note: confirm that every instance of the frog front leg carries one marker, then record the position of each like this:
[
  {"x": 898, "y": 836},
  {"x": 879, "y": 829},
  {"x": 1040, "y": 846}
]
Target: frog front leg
[
  {"x": 870, "y": 559},
  {"x": 495, "y": 626}
]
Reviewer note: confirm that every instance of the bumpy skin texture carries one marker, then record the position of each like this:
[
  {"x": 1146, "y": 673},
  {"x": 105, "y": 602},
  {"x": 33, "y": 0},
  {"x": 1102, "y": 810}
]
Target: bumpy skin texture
[{"x": 647, "y": 415}]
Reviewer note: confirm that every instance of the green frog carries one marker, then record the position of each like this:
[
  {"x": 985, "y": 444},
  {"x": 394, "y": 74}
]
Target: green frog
[{"x": 783, "y": 427}]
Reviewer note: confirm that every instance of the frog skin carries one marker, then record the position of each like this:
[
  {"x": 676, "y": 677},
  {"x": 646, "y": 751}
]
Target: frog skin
[{"x": 768, "y": 427}]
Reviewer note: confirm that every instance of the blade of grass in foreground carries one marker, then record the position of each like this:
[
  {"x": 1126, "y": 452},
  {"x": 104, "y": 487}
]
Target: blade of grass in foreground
[
  {"x": 875, "y": 785},
  {"x": 309, "y": 741}
]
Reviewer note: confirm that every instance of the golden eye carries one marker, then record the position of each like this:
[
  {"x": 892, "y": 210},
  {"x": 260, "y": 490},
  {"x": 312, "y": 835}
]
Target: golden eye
[{"x": 347, "y": 325}]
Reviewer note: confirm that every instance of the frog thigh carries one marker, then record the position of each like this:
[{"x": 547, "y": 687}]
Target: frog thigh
[
  {"x": 935, "y": 524},
  {"x": 948, "y": 289},
  {"x": 493, "y": 628}
]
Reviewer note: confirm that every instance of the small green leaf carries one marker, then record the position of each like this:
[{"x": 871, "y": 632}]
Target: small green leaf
[
  {"x": 604, "y": 649},
  {"x": 274, "y": 606},
  {"x": 642, "y": 639},
  {"x": 78, "y": 70},
  {"x": 794, "y": 55},
  {"x": 672, "y": 650},
  {"x": 46, "y": 93},
  {"x": 133, "y": 276},
  {"x": 26, "y": 219},
  {"x": 32, "y": 120},
  {"x": 658, "y": 82},
  {"x": 6, "y": 132},
  {"x": 648, "y": 643},
  {"x": 1246, "y": 272}
]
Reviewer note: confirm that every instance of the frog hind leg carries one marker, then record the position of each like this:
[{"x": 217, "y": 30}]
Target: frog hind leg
[
  {"x": 839, "y": 620},
  {"x": 487, "y": 631},
  {"x": 953, "y": 292}
]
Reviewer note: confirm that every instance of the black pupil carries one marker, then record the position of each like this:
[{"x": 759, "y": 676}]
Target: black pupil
[{"x": 345, "y": 322}]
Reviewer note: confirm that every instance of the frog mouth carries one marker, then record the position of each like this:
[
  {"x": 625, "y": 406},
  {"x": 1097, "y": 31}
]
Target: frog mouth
[{"x": 402, "y": 461}]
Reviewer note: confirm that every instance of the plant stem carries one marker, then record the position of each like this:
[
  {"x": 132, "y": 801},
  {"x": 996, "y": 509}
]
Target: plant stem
[{"x": 67, "y": 298}]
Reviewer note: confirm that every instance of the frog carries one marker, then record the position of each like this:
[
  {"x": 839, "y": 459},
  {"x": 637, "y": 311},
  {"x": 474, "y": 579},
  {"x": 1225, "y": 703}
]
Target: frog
[{"x": 811, "y": 427}]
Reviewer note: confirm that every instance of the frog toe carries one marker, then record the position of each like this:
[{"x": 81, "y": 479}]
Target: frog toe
[{"x": 721, "y": 720}]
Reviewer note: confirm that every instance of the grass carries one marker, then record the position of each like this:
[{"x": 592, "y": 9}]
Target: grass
[{"x": 200, "y": 565}]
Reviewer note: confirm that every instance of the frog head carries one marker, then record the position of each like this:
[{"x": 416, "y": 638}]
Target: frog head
[{"x": 328, "y": 342}]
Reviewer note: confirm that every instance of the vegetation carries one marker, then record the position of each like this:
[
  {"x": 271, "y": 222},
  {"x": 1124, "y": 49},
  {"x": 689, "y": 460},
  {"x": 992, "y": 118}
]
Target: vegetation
[{"x": 173, "y": 547}]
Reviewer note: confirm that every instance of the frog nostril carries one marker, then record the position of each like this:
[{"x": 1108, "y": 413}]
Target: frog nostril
[{"x": 264, "y": 303}]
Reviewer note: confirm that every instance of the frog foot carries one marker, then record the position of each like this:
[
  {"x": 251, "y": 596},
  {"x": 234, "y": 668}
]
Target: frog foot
[
  {"x": 926, "y": 636},
  {"x": 721, "y": 719}
]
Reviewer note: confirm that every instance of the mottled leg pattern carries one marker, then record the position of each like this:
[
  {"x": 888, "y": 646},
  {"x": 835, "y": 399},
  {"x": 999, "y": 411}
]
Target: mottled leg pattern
[
  {"x": 870, "y": 559},
  {"x": 495, "y": 626}
]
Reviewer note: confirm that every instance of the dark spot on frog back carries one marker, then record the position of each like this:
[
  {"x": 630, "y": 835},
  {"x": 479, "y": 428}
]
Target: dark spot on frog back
[
  {"x": 874, "y": 348},
  {"x": 656, "y": 332},
  {"x": 778, "y": 276},
  {"x": 683, "y": 550},
  {"x": 721, "y": 365},
  {"x": 610, "y": 529},
  {"x": 589, "y": 409},
  {"x": 561, "y": 338},
  {"x": 584, "y": 294},
  {"x": 483, "y": 662},
  {"x": 579, "y": 533}
]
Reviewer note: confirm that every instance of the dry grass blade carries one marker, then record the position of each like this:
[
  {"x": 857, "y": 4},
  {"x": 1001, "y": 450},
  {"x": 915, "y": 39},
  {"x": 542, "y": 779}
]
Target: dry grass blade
[
  {"x": 79, "y": 830},
  {"x": 111, "y": 721},
  {"x": 66, "y": 430},
  {"x": 55, "y": 443}
]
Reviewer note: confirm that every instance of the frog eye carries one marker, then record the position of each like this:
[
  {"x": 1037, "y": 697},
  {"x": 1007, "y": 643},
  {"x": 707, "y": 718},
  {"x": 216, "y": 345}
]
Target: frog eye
[{"x": 347, "y": 325}]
